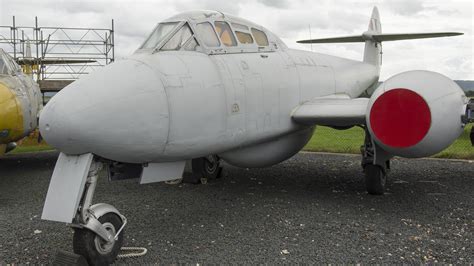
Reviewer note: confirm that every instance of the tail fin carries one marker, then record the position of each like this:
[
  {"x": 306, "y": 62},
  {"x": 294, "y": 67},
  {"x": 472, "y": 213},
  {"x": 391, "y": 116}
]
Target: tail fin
[{"x": 373, "y": 49}]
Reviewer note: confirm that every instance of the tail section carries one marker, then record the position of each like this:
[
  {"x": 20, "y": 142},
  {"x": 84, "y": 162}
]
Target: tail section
[
  {"x": 373, "y": 38},
  {"x": 373, "y": 49}
]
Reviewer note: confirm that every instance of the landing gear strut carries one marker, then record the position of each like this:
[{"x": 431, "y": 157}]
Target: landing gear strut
[
  {"x": 376, "y": 165},
  {"x": 98, "y": 229},
  {"x": 203, "y": 169}
]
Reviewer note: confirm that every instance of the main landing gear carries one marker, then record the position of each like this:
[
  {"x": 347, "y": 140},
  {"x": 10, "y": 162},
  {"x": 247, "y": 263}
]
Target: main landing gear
[
  {"x": 376, "y": 165},
  {"x": 98, "y": 229},
  {"x": 203, "y": 169}
]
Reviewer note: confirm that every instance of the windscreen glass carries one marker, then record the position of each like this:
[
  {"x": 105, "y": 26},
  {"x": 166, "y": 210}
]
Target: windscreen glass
[
  {"x": 160, "y": 33},
  {"x": 179, "y": 39},
  {"x": 207, "y": 34},
  {"x": 244, "y": 37},
  {"x": 260, "y": 37},
  {"x": 225, "y": 33}
]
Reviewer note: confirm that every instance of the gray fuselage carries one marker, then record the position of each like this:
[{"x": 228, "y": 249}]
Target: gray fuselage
[{"x": 162, "y": 106}]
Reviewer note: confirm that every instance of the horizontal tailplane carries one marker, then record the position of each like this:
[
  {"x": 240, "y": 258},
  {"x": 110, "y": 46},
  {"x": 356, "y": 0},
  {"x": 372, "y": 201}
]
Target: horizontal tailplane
[{"x": 366, "y": 36}]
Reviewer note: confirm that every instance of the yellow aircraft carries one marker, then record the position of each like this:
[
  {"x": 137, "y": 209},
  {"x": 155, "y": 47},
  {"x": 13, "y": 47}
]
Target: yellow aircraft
[{"x": 20, "y": 103}]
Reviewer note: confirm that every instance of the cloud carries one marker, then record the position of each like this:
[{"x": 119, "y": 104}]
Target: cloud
[
  {"x": 290, "y": 20},
  {"x": 405, "y": 7},
  {"x": 275, "y": 3},
  {"x": 231, "y": 7}
]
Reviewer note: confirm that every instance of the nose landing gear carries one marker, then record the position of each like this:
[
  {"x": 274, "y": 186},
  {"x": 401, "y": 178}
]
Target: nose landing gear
[{"x": 98, "y": 229}]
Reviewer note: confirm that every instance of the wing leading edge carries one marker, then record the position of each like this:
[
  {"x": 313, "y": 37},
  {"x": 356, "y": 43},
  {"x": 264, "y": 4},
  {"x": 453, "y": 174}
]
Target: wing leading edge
[{"x": 325, "y": 111}]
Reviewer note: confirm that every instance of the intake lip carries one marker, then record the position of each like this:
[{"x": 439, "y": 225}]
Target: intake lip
[{"x": 416, "y": 113}]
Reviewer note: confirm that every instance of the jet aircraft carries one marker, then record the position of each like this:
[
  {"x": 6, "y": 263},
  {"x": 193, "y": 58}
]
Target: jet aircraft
[
  {"x": 20, "y": 103},
  {"x": 207, "y": 86}
]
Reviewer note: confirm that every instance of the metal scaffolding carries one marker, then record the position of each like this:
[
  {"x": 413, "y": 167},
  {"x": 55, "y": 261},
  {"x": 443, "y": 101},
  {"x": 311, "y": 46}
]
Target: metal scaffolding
[{"x": 59, "y": 53}]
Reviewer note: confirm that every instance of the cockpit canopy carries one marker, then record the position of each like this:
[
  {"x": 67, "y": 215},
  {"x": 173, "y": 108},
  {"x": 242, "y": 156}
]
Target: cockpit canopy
[{"x": 210, "y": 32}]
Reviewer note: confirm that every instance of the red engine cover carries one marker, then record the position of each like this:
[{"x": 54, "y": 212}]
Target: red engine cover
[
  {"x": 400, "y": 118},
  {"x": 416, "y": 113}
]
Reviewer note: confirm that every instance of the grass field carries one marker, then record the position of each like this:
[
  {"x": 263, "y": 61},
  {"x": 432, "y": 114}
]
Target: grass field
[
  {"x": 30, "y": 144},
  {"x": 325, "y": 139},
  {"x": 349, "y": 141}
]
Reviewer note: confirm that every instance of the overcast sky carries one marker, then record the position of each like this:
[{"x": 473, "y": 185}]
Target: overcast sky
[{"x": 289, "y": 19}]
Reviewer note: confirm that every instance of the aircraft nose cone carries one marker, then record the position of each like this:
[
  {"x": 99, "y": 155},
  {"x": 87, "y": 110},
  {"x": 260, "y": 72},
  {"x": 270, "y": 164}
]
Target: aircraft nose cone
[{"x": 119, "y": 112}]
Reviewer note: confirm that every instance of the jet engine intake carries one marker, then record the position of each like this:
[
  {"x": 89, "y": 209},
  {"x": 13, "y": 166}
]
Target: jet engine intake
[{"x": 416, "y": 113}]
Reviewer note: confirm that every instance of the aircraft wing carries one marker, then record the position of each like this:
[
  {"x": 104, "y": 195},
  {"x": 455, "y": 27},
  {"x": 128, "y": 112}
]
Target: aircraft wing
[{"x": 337, "y": 111}]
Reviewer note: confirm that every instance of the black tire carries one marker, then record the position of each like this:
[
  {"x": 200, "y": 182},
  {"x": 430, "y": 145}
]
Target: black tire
[
  {"x": 93, "y": 248},
  {"x": 375, "y": 179},
  {"x": 204, "y": 168}
]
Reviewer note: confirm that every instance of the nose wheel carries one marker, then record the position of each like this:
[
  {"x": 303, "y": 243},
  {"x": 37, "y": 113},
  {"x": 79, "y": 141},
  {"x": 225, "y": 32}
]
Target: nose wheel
[{"x": 93, "y": 247}]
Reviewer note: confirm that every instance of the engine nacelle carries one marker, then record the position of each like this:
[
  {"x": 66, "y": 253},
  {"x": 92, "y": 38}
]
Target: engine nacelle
[
  {"x": 268, "y": 153},
  {"x": 416, "y": 113}
]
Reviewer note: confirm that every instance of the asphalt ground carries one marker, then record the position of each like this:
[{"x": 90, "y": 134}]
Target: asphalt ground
[{"x": 312, "y": 208}]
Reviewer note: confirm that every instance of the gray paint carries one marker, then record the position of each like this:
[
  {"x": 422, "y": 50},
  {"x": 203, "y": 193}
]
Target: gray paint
[
  {"x": 332, "y": 111},
  {"x": 159, "y": 172},
  {"x": 66, "y": 187}
]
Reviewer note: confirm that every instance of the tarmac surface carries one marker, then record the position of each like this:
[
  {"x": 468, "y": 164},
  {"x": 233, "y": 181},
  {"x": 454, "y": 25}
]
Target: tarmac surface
[{"x": 312, "y": 208}]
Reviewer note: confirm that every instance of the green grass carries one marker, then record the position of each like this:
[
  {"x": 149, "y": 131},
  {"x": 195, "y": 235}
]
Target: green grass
[
  {"x": 32, "y": 148},
  {"x": 461, "y": 148},
  {"x": 326, "y": 139},
  {"x": 30, "y": 144}
]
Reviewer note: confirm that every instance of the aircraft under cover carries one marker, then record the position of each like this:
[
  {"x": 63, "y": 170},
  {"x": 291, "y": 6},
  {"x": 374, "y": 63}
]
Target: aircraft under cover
[
  {"x": 207, "y": 86},
  {"x": 20, "y": 103}
]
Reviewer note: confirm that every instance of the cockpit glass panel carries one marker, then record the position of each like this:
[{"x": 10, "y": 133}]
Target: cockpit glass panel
[
  {"x": 191, "y": 45},
  {"x": 180, "y": 39},
  {"x": 207, "y": 34},
  {"x": 260, "y": 37},
  {"x": 225, "y": 33},
  {"x": 244, "y": 37},
  {"x": 160, "y": 33},
  {"x": 240, "y": 27}
]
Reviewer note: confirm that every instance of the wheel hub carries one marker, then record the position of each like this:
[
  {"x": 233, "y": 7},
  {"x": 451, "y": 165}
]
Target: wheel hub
[
  {"x": 211, "y": 164},
  {"x": 102, "y": 246}
]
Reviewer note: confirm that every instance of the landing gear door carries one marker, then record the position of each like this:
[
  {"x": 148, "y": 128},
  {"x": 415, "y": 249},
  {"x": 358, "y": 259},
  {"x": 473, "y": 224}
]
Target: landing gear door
[{"x": 66, "y": 187}]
